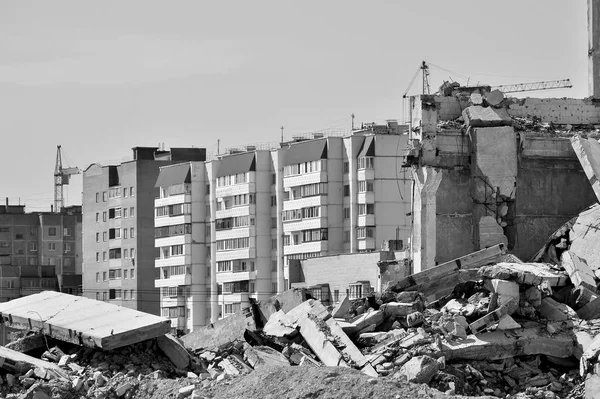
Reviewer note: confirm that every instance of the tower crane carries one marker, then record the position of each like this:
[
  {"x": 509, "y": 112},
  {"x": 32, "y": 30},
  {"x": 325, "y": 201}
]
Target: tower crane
[
  {"x": 519, "y": 87},
  {"x": 62, "y": 176}
]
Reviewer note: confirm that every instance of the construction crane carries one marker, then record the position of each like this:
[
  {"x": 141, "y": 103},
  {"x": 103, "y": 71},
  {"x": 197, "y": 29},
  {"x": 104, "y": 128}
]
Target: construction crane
[
  {"x": 62, "y": 176},
  {"x": 546, "y": 85}
]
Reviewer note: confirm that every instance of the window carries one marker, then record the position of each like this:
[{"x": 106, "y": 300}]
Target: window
[
  {"x": 114, "y": 274},
  {"x": 104, "y": 297},
  {"x": 104, "y": 257},
  {"x": 114, "y": 233},
  {"x": 273, "y": 178},
  {"x": 125, "y": 273},
  {"x": 66, "y": 247},
  {"x": 366, "y": 163},
  {"x": 97, "y": 277},
  {"x": 273, "y": 200},
  {"x": 103, "y": 276},
  {"x": 171, "y": 231},
  {"x": 365, "y": 232},
  {"x": 114, "y": 253},
  {"x": 126, "y": 253},
  {"x": 33, "y": 246},
  {"x": 315, "y": 235},
  {"x": 104, "y": 235},
  {"x": 125, "y": 212},
  {"x": 168, "y": 291},
  {"x": 132, "y": 253},
  {"x": 33, "y": 231},
  {"x": 114, "y": 213},
  {"x": 52, "y": 231},
  {"x": 51, "y": 246},
  {"x": 132, "y": 276},
  {"x": 132, "y": 194},
  {"x": 125, "y": 192},
  {"x": 346, "y": 167},
  {"x": 273, "y": 223},
  {"x": 97, "y": 217},
  {"x": 104, "y": 196},
  {"x": 97, "y": 200},
  {"x": 67, "y": 231},
  {"x": 97, "y": 293},
  {"x": 97, "y": 237},
  {"x": 346, "y": 190},
  {"x": 125, "y": 233},
  {"x": 97, "y": 256},
  {"x": 355, "y": 291},
  {"x": 132, "y": 292},
  {"x": 233, "y": 243},
  {"x": 346, "y": 236},
  {"x": 104, "y": 216},
  {"x": 125, "y": 295},
  {"x": 346, "y": 213},
  {"x": 176, "y": 250},
  {"x": 365, "y": 185},
  {"x": 366, "y": 209},
  {"x": 131, "y": 212}
]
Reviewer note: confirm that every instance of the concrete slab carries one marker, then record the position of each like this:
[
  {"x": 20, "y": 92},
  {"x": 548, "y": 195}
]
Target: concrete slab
[
  {"x": 174, "y": 350},
  {"x": 553, "y": 310},
  {"x": 579, "y": 272},
  {"x": 588, "y": 153},
  {"x": 82, "y": 321},
  {"x": 524, "y": 273},
  {"x": 285, "y": 301},
  {"x": 260, "y": 356},
  {"x": 16, "y": 361},
  {"x": 221, "y": 332},
  {"x": 342, "y": 308}
]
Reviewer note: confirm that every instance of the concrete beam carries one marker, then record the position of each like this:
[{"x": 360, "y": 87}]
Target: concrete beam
[
  {"x": 588, "y": 152},
  {"x": 594, "y": 48},
  {"x": 524, "y": 273},
  {"x": 580, "y": 273},
  {"x": 427, "y": 181}
]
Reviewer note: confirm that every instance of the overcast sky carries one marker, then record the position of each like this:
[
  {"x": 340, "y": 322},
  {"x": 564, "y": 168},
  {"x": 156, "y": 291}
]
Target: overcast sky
[{"x": 102, "y": 77}]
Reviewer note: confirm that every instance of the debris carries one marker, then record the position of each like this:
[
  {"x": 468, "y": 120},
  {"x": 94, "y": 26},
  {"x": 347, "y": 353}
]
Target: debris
[{"x": 174, "y": 350}]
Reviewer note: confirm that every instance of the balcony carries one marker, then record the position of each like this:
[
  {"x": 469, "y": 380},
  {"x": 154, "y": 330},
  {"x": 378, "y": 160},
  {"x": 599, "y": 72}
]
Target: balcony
[
  {"x": 365, "y": 174},
  {"x": 313, "y": 246},
  {"x": 174, "y": 261},
  {"x": 307, "y": 178},
  {"x": 228, "y": 277},
  {"x": 174, "y": 281},
  {"x": 114, "y": 263},
  {"x": 173, "y": 199},
  {"x": 242, "y": 188},
  {"x": 172, "y": 301},
  {"x": 172, "y": 220},
  {"x": 237, "y": 232},
  {"x": 366, "y": 220},
  {"x": 305, "y": 202},
  {"x": 243, "y": 253},
  {"x": 115, "y": 283},
  {"x": 366, "y": 244},
  {"x": 241, "y": 210},
  {"x": 236, "y": 297},
  {"x": 305, "y": 224},
  {"x": 174, "y": 240},
  {"x": 366, "y": 197}
]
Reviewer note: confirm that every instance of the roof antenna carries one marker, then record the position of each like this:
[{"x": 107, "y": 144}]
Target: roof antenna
[
  {"x": 352, "y": 121},
  {"x": 282, "y": 134}
]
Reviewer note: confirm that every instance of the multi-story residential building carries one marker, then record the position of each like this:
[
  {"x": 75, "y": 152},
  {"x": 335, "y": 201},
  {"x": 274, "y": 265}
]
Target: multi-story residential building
[
  {"x": 39, "y": 251},
  {"x": 253, "y": 210},
  {"x": 118, "y": 227}
]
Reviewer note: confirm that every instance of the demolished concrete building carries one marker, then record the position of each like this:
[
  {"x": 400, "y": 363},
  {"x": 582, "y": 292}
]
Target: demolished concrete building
[{"x": 489, "y": 172}]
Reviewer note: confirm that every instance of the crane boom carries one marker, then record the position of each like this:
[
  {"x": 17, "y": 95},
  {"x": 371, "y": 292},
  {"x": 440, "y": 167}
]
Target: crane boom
[
  {"x": 61, "y": 178},
  {"x": 545, "y": 85}
]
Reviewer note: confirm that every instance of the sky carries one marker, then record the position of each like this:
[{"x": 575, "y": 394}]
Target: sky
[{"x": 100, "y": 78}]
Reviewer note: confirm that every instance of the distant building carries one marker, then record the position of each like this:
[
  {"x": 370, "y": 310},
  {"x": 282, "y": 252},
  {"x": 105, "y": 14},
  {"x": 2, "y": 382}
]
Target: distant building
[
  {"x": 227, "y": 229},
  {"x": 39, "y": 251},
  {"x": 118, "y": 227}
]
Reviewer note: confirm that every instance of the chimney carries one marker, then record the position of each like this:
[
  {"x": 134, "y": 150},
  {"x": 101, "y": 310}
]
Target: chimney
[{"x": 594, "y": 48}]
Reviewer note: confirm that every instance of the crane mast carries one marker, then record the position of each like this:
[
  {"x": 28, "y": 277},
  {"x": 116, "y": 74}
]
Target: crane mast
[{"x": 62, "y": 177}]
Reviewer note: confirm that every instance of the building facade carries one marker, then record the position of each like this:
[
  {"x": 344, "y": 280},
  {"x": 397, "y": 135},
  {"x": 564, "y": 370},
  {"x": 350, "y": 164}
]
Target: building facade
[
  {"x": 118, "y": 227},
  {"x": 39, "y": 251},
  {"x": 226, "y": 229}
]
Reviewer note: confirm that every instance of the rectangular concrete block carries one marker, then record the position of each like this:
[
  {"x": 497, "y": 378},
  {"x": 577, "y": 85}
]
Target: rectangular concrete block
[
  {"x": 580, "y": 273},
  {"x": 478, "y": 116}
]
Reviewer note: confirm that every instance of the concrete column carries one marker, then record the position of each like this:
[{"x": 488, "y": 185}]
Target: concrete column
[
  {"x": 211, "y": 170},
  {"x": 426, "y": 181},
  {"x": 594, "y": 48}
]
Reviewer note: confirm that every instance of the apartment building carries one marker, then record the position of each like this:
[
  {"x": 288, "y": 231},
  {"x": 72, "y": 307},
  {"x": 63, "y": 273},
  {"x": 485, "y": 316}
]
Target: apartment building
[
  {"x": 118, "y": 227},
  {"x": 261, "y": 208},
  {"x": 39, "y": 251}
]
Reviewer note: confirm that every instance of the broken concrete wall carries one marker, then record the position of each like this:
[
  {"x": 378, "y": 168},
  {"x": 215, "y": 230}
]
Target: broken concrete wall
[
  {"x": 341, "y": 270},
  {"x": 588, "y": 153}
]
